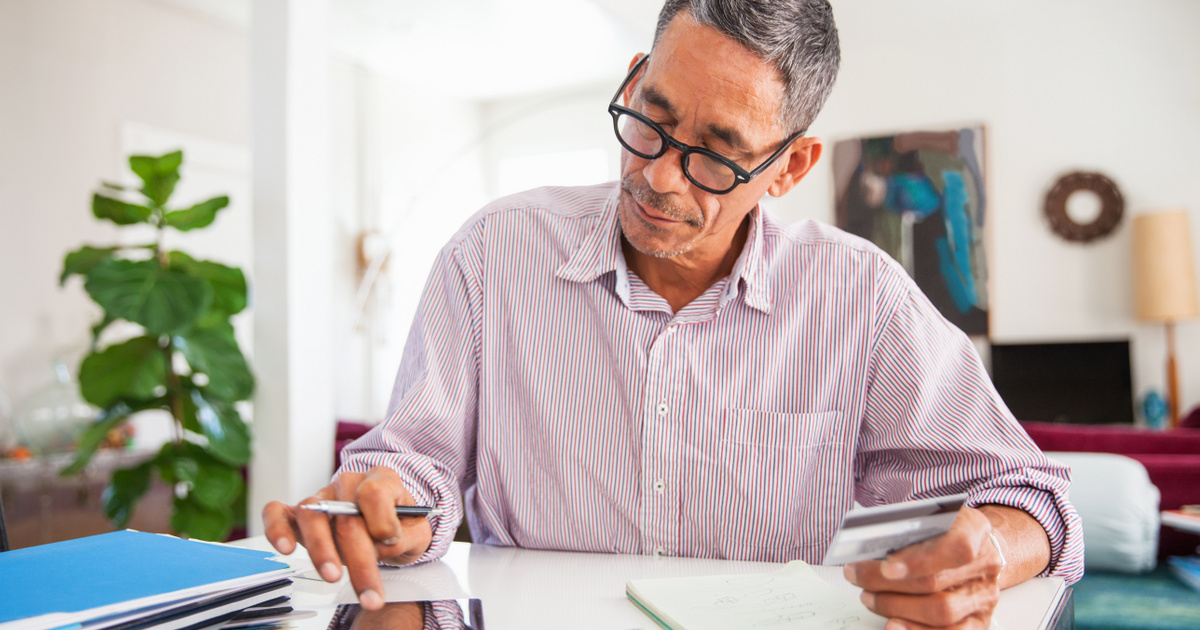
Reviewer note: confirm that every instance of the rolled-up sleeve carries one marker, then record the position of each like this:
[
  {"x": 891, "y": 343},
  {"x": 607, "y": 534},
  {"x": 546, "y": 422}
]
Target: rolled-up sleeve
[
  {"x": 428, "y": 437},
  {"x": 934, "y": 425}
]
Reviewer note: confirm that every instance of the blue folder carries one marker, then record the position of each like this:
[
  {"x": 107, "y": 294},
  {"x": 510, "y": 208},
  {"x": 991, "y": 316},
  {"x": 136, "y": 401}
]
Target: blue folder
[{"x": 87, "y": 573}]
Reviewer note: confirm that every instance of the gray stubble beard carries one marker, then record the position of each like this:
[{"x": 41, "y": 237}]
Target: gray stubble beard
[{"x": 642, "y": 194}]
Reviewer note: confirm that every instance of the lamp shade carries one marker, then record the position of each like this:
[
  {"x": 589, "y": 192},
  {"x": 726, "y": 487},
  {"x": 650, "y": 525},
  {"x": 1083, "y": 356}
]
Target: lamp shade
[{"x": 1164, "y": 275}]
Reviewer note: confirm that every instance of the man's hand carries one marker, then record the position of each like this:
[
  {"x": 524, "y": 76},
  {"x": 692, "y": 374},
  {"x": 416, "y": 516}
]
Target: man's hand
[
  {"x": 359, "y": 542},
  {"x": 954, "y": 580}
]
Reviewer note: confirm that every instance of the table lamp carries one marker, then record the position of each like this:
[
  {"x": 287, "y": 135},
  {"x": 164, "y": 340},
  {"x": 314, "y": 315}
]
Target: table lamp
[{"x": 1164, "y": 282}]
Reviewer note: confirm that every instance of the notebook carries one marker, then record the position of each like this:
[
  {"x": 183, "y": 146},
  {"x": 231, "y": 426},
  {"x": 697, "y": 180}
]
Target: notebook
[{"x": 793, "y": 597}]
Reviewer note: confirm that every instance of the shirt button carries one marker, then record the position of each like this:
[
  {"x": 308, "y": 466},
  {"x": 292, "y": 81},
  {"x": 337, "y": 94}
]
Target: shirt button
[
  {"x": 670, "y": 330},
  {"x": 659, "y": 486},
  {"x": 663, "y": 408},
  {"x": 659, "y": 551}
]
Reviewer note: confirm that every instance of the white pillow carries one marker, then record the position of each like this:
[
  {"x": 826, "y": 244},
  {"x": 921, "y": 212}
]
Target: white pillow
[{"x": 1119, "y": 509}]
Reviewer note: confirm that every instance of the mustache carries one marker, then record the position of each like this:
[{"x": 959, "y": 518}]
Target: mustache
[{"x": 647, "y": 196}]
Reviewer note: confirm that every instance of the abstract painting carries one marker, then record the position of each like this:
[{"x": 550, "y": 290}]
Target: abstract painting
[{"x": 921, "y": 197}]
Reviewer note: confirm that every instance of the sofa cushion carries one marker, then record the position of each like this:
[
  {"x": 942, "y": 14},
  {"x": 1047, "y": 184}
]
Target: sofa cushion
[{"x": 1119, "y": 509}]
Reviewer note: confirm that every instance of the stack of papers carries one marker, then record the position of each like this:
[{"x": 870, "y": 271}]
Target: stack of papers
[
  {"x": 793, "y": 597},
  {"x": 134, "y": 581}
]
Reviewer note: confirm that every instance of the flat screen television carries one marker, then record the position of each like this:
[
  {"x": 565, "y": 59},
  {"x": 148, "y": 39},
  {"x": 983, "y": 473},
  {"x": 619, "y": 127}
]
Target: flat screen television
[{"x": 1078, "y": 383}]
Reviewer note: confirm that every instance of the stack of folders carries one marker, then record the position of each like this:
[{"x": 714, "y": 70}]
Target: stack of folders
[
  {"x": 1187, "y": 569},
  {"x": 138, "y": 581}
]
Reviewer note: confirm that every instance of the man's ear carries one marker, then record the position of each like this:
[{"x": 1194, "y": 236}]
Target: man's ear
[{"x": 803, "y": 155}]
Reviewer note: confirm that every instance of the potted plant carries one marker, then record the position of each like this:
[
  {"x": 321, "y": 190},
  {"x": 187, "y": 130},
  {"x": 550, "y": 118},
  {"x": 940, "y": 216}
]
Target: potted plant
[{"x": 185, "y": 360}]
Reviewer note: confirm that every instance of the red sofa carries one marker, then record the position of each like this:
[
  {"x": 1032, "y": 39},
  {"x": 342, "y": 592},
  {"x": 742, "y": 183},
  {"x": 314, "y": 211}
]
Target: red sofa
[
  {"x": 1172, "y": 459},
  {"x": 347, "y": 432}
]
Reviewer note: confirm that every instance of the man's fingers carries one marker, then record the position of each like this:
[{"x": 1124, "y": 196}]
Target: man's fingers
[
  {"x": 416, "y": 533},
  {"x": 279, "y": 525},
  {"x": 317, "y": 537},
  {"x": 355, "y": 541},
  {"x": 958, "y": 547},
  {"x": 869, "y": 577},
  {"x": 358, "y": 552},
  {"x": 956, "y": 608},
  {"x": 958, "y": 556},
  {"x": 378, "y": 495},
  {"x": 970, "y": 623}
]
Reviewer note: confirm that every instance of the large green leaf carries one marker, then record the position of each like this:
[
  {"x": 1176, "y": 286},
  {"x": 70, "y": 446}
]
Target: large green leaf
[
  {"x": 198, "y": 216},
  {"x": 219, "y": 422},
  {"x": 158, "y": 173},
  {"x": 122, "y": 494},
  {"x": 217, "y": 485},
  {"x": 214, "y": 352},
  {"x": 195, "y": 520},
  {"x": 162, "y": 300},
  {"x": 118, "y": 211},
  {"x": 133, "y": 369},
  {"x": 176, "y": 465},
  {"x": 98, "y": 430},
  {"x": 228, "y": 283},
  {"x": 84, "y": 260}
]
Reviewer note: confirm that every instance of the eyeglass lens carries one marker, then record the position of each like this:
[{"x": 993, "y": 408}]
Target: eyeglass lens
[{"x": 647, "y": 142}]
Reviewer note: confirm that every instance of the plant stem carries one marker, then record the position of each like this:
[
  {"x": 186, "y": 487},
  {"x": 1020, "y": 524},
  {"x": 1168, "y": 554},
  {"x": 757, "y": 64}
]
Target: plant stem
[{"x": 174, "y": 385}]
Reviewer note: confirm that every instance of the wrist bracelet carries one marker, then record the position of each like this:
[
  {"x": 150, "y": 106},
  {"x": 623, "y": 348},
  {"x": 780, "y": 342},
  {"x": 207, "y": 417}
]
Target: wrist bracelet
[{"x": 996, "y": 544}]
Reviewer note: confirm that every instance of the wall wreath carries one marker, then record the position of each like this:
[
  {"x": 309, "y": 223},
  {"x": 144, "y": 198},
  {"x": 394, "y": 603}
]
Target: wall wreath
[{"x": 1112, "y": 206}]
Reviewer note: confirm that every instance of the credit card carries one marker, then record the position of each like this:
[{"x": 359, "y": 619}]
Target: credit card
[{"x": 872, "y": 533}]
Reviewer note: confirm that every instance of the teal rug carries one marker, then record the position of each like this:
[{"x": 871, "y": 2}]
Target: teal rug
[{"x": 1150, "y": 601}]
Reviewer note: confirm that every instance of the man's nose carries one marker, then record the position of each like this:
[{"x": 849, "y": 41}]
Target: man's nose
[{"x": 665, "y": 172}]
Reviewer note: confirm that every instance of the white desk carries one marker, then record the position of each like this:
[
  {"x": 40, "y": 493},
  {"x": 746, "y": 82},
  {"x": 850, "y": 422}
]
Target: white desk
[{"x": 522, "y": 588}]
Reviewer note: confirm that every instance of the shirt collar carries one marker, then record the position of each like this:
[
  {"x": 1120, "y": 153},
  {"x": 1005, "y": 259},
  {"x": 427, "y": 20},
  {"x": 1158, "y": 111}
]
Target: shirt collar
[
  {"x": 750, "y": 267},
  {"x": 599, "y": 252}
]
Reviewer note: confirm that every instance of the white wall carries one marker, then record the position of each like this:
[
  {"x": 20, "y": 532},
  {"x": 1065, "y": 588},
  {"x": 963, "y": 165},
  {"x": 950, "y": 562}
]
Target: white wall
[
  {"x": 569, "y": 124},
  {"x": 408, "y": 165},
  {"x": 1065, "y": 85},
  {"x": 73, "y": 76}
]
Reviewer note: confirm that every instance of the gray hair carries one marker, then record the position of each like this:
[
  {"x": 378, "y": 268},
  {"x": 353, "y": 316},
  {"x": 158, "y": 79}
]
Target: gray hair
[{"x": 798, "y": 37}]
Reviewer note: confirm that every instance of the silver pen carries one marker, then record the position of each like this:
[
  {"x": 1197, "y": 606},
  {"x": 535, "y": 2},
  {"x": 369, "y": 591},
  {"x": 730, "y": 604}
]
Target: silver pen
[{"x": 349, "y": 508}]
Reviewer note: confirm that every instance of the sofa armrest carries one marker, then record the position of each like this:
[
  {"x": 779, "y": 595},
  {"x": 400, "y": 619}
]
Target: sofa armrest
[{"x": 1119, "y": 508}]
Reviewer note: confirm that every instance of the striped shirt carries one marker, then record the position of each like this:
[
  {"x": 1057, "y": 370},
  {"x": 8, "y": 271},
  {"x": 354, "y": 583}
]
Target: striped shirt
[{"x": 576, "y": 411}]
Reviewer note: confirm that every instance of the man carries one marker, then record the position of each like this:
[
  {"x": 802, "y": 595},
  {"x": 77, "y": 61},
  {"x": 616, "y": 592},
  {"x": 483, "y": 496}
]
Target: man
[{"x": 660, "y": 367}]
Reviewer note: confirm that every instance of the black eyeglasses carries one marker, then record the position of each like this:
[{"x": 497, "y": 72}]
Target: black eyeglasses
[{"x": 645, "y": 139}]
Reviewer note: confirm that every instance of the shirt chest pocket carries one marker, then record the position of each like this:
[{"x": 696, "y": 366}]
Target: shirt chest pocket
[{"x": 783, "y": 479}]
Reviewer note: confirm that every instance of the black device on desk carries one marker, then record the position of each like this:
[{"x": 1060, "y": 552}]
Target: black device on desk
[{"x": 450, "y": 614}]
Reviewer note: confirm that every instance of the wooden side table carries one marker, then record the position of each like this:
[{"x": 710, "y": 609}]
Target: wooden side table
[{"x": 41, "y": 507}]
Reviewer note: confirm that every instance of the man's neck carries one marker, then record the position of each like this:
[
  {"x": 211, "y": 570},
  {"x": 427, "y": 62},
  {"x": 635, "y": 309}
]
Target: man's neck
[{"x": 683, "y": 278}]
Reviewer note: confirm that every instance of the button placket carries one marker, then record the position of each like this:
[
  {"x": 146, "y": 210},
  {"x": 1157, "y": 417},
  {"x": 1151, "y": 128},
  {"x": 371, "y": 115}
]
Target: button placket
[{"x": 661, "y": 515}]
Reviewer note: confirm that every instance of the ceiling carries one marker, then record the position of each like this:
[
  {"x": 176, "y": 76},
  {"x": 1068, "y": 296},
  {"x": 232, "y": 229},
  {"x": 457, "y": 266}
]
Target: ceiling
[{"x": 479, "y": 49}]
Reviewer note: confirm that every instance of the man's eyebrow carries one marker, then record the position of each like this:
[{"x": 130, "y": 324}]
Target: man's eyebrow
[
  {"x": 729, "y": 136},
  {"x": 657, "y": 99}
]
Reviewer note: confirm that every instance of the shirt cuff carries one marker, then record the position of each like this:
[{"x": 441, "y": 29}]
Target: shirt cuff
[
  {"x": 1042, "y": 496},
  {"x": 427, "y": 485}
]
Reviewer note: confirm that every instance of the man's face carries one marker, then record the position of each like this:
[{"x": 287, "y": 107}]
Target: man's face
[{"x": 705, "y": 90}]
